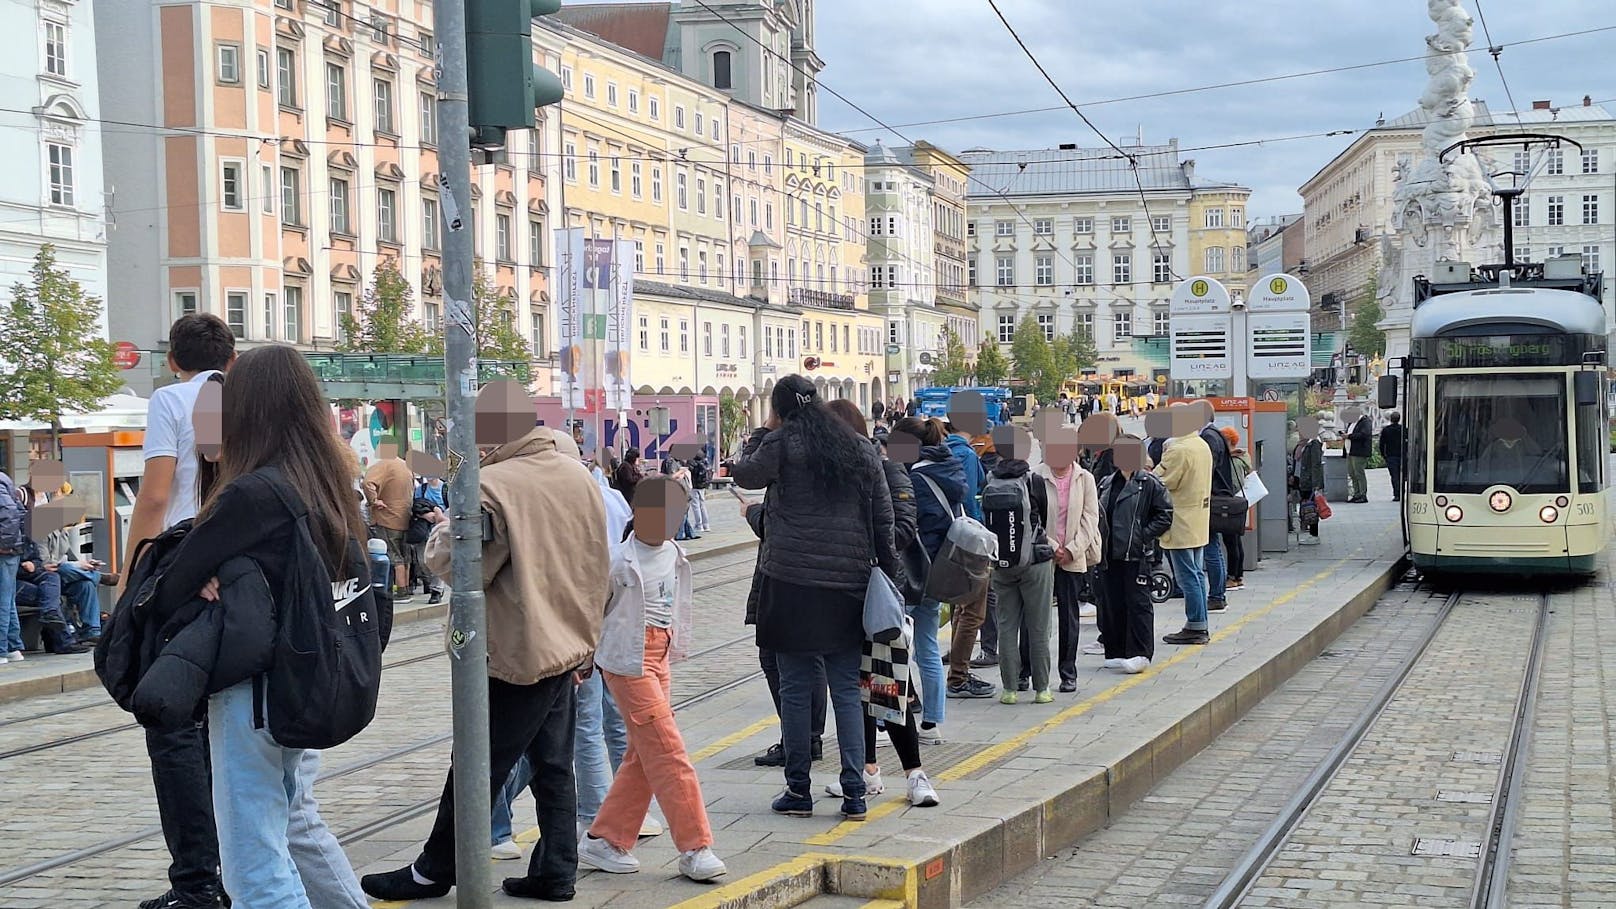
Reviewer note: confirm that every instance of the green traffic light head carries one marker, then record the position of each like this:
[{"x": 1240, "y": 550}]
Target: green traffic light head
[{"x": 545, "y": 7}]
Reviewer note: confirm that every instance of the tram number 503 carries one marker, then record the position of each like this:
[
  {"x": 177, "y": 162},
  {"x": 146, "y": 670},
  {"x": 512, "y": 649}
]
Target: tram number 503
[
  {"x": 1585, "y": 508},
  {"x": 1419, "y": 507}
]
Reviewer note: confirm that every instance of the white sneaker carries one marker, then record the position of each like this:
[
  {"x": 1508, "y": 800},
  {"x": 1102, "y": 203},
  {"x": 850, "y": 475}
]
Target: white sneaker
[
  {"x": 603, "y": 856},
  {"x": 14, "y": 656},
  {"x": 1135, "y": 665},
  {"x": 650, "y": 827},
  {"x": 921, "y": 794},
  {"x": 1094, "y": 648},
  {"x": 1087, "y": 610},
  {"x": 872, "y": 786},
  {"x": 507, "y": 851},
  {"x": 701, "y": 865},
  {"x": 932, "y": 736},
  {"x": 1115, "y": 663}
]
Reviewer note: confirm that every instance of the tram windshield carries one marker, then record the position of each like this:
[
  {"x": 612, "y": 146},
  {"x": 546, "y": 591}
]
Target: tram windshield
[{"x": 1501, "y": 430}]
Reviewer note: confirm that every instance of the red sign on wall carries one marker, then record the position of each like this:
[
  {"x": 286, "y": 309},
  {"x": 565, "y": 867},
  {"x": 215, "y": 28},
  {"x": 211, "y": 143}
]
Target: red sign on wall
[{"x": 126, "y": 355}]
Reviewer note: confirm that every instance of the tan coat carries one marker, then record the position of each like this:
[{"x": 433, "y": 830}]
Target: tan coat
[
  {"x": 1081, "y": 535},
  {"x": 1186, "y": 471},
  {"x": 547, "y": 569}
]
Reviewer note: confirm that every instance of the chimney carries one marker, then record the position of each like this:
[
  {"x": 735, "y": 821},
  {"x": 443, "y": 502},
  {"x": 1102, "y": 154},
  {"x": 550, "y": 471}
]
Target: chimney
[
  {"x": 1541, "y": 105},
  {"x": 1189, "y": 169},
  {"x": 1587, "y": 100}
]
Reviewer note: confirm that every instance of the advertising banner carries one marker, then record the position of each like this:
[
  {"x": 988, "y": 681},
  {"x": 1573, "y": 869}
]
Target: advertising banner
[
  {"x": 571, "y": 310},
  {"x": 620, "y": 328}
]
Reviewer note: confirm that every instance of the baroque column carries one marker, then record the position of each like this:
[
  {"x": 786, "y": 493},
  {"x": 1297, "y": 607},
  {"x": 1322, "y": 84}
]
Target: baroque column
[{"x": 1440, "y": 211}]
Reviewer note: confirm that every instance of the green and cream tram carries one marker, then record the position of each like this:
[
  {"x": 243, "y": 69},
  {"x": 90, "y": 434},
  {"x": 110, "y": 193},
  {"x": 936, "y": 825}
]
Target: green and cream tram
[{"x": 1505, "y": 459}]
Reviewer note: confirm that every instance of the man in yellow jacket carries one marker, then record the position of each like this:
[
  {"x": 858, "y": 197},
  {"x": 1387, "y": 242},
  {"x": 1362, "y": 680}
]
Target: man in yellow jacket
[{"x": 1186, "y": 471}]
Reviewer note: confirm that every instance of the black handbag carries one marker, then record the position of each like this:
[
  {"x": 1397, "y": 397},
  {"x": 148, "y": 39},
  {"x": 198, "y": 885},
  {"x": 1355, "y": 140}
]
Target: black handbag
[
  {"x": 1229, "y": 514},
  {"x": 916, "y": 566}
]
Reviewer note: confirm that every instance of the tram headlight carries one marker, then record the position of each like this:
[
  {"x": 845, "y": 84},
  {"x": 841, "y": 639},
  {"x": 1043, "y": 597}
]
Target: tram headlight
[
  {"x": 1454, "y": 514},
  {"x": 1561, "y": 501},
  {"x": 1548, "y": 514},
  {"x": 1499, "y": 501},
  {"x": 1441, "y": 501}
]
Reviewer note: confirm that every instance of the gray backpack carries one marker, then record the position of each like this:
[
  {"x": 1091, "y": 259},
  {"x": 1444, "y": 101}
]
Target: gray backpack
[
  {"x": 1008, "y": 513},
  {"x": 960, "y": 572}
]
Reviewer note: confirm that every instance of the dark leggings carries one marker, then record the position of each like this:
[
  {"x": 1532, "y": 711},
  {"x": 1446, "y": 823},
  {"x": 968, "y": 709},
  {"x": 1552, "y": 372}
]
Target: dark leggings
[
  {"x": 1235, "y": 548},
  {"x": 905, "y": 741}
]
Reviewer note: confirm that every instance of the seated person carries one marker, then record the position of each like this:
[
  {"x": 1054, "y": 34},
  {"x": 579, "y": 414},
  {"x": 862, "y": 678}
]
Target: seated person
[
  {"x": 80, "y": 577},
  {"x": 40, "y": 586}
]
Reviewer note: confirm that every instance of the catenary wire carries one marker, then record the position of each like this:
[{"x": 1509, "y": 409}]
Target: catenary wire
[{"x": 1496, "y": 50}]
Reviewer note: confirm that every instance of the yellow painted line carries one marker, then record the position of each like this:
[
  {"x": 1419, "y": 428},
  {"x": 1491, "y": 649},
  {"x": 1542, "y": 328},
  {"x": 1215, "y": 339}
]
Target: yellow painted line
[
  {"x": 1003, "y": 749},
  {"x": 734, "y": 738},
  {"x": 717, "y": 897}
]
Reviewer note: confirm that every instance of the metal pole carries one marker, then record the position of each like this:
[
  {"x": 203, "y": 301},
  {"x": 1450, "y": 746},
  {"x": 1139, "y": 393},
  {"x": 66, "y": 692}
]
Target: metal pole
[{"x": 468, "y": 639}]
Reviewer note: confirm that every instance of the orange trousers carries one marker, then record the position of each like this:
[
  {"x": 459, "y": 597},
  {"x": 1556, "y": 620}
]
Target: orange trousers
[{"x": 655, "y": 763}]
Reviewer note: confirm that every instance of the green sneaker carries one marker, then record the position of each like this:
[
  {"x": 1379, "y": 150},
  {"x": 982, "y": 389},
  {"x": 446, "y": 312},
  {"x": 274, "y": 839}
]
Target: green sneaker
[
  {"x": 1008, "y": 697},
  {"x": 1044, "y": 697}
]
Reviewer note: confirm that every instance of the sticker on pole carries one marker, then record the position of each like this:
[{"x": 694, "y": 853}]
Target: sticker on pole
[{"x": 460, "y": 314}]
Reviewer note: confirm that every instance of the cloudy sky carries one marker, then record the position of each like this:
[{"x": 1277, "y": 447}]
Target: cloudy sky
[{"x": 910, "y": 61}]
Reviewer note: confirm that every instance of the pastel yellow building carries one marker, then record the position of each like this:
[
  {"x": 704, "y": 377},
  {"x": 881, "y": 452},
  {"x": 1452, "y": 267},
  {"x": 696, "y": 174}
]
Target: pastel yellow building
[{"x": 1217, "y": 215}]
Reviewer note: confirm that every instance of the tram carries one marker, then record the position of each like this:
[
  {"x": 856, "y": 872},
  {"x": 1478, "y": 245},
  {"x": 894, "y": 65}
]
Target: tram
[{"x": 1508, "y": 422}]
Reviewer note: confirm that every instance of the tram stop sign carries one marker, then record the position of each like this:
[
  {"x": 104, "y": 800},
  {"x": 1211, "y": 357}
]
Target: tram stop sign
[{"x": 126, "y": 355}]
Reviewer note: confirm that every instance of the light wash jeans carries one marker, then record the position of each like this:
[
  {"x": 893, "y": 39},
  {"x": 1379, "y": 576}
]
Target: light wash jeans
[
  {"x": 10, "y": 624},
  {"x": 1190, "y": 573},
  {"x": 275, "y": 850},
  {"x": 929, "y": 660},
  {"x": 698, "y": 511},
  {"x": 601, "y": 737}
]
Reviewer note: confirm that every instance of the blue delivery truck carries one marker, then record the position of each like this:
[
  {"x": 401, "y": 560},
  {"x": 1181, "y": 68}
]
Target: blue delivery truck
[{"x": 934, "y": 401}]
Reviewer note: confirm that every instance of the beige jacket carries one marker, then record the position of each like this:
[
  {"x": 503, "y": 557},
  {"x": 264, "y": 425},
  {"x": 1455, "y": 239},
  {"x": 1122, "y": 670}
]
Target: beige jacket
[
  {"x": 547, "y": 569},
  {"x": 1186, "y": 471},
  {"x": 1081, "y": 535}
]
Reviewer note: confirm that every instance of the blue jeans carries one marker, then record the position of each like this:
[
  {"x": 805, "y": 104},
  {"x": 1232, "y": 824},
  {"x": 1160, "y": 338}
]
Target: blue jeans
[
  {"x": 798, "y": 674},
  {"x": 521, "y": 775},
  {"x": 929, "y": 660},
  {"x": 1190, "y": 573},
  {"x": 79, "y": 589},
  {"x": 274, "y": 849},
  {"x": 1216, "y": 561},
  {"x": 10, "y": 624}
]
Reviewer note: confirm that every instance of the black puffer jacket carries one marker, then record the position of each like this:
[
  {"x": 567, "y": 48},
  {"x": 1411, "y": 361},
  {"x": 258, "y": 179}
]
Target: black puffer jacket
[
  {"x": 1143, "y": 512},
  {"x": 815, "y": 537}
]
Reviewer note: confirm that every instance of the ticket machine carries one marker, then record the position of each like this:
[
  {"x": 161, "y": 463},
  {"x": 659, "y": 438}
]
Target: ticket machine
[{"x": 105, "y": 469}]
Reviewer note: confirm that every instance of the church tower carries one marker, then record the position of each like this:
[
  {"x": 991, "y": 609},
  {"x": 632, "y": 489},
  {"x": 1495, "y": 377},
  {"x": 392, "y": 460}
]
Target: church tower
[{"x": 762, "y": 51}]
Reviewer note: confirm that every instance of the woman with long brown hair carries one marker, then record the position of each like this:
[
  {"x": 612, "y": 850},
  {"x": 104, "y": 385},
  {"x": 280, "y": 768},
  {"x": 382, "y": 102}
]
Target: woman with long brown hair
[{"x": 269, "y": 431}]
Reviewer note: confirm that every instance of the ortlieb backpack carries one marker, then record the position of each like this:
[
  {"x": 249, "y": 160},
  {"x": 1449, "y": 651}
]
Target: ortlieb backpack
[
  {"x": 329, "y": 637},
  {"x": 12, "y": 517},
  {"x": 1009, "y": 514},
  {"x": 960, "y": 572}
]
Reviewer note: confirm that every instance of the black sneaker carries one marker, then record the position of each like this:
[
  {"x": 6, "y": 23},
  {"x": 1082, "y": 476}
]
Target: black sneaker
[
  {"x": 1186, "y": 636},
  {"x": 774, "y": 757},
  {"x": 985, "y": 660},
  {"x": 533, "y": 889},
  {"x": 816, "y": 752},
  {"x": 1024, "y": 685},
  {"x": 401, "y": 885},
  {"x": 972, "y": 687},
  {"x": 1217, "y": 605},
  {"x": 174, "y": 899},
  {"x": 435, "y": 598}
]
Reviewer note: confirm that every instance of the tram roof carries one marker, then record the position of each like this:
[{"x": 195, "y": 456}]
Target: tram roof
[{"x": 1559, "y": 310}]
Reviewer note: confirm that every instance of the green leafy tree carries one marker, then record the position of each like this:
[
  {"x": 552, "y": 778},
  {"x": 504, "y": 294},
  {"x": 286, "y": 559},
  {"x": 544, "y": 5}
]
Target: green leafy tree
[
  {"x": 498, "y": 330},
  {"x": 731, "y": 423},
  {"x": 956, "y": 365},
  {"x": 1037, "y": 362},
  {"x": 383, "y": 321},
  {"x": 991, "y": 367},
  {"x": 56, "y": 361},
  {"x": 1362, "y": 335},
  {"x": 1073, "y": 354}
]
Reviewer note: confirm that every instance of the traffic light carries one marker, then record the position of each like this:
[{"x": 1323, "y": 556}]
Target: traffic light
[{"x": 503, "y": 85}]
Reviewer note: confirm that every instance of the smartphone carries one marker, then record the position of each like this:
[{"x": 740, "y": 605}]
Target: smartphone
[{"x": 736, "y": 492}]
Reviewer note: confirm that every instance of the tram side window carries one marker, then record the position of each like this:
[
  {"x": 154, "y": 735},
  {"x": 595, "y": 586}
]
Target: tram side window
[
  {"x": 1507, "y": 429},
  {"x": 1414, "y": 419},
  {"x": 1591, "y": 447}
]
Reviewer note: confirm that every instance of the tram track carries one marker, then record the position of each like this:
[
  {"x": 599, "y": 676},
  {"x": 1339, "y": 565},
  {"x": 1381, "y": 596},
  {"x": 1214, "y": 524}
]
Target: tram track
[
  {"x": 1492, "y": 852},
  {"x": 369, "y": 828}
]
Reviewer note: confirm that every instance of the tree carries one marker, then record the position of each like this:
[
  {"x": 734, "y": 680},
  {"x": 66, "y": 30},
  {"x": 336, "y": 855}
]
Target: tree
[
  {"x": 498, "y": 332},
  {"x": 956, "y": 365},
  {"x": 731, "y": 423},
  {"x": 1036, "y": 361},
  {"x": 991, "y": 367},
  {"x": 384, "y": 320},
  {"x": 51, "y": 344},
  {"x": 1073, "y": 354},
  {"x": 1362, "y": 335}
]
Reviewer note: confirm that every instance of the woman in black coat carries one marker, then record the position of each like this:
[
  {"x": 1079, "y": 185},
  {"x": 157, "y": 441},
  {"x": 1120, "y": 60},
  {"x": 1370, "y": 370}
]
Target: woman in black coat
[{"x": 827, "y": 520}]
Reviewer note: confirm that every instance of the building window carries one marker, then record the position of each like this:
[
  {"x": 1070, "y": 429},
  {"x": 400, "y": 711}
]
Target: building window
[
  {"x": 429, "y": 223},
  {"x": 666, "y": 337},
  {"x": 229, "y": 64},
  {"x": 970, "y": 228},
  {"x": 678, "y": 116},
  {"x": 768, "y": 216},
  {"x": 768, "y": 164},
  {"x": 684, "y": 264},
  {"x": 1044, "y": 270},
  {"x": 1043, "y": 227},
  {"x": 429, "y": 119},
  {"x": 61, "y": 173},
  {"x": 971, "y": 272},
  {"x": 293, "y": 312},
  {"x": 336, "y": 92},
  {"x": 1556, "y": 162},
  {"x": 589, "y": 85},
  {"x": 1084, "y": 270},
  {"x": 1523, "y": 253},
  {"x": 721, "y": 70},
  {"x": 611, "y": 94},
  {"x": 1590, "y": 209},
  {"x": 333, "y": 13},
  {"x": 645, "y": 333},
  {"x": 1237, "y": 259},
  {"x": 387, "y": 214},
  {"x": 1159, "y": 323},
  {"x": 535, "y": 245},
  {"x": 661, "y": 259},
  {"x": 1556, "y": 210},
  {"x": 384, "y": 107},
  {"x": 1122, "y": 268},
  {"x": 594, "y": 169},
  {"x": 741, "y": 342},
  {"x": 266, "y": 188},
  {"x": 378, "y": 28},
  {"x": 1162, "y": 223},
  {"x": 230, "y": 194},
  {"x": 569, "y": 162},
  {"x": 684, "y": 336},
  {"x": 536, "y": 332},
  {"x": 699, "y": 123},
  {"x": 1214, "y": 260},
  {"x": 681, "y": 191},
  {"x": 706, "y": 339},
  {"x": 1121, "y": 326},
  {"x": 344, "y": 303},
  {"x": 56, "y": 49},
  {"x": 263, "y": 69},
  {"x": 1590, "y": 160},
  {"x": 1161, "y": 268},
  {"x": 1006, "y": 271},
  {"x": 655, "y": 107},
  {"x": 701, "y": 196},
  {"x": 1214, "y": 217},
  {"x": 1083, "y": 225},
  {"x": 656, "y": 183},
  {"x": 339, "y": 206},
  {"x": 633, "y": 101},
  {"x": 291, "y": 196},
  {"x": 635, "y": 185},
  {"x": 185, "y": 303},
  {"x": 1521, "y": 214},
  {"x": 617, "y": 175},
  {"x": 286, "y": 74},
  {"x": 723, "y": 340},
  {"x": 1590, "y": 259},
  {"x": 235, "y": 312},
  {"x": 429, "y": 44},
  {"x": 1004, "y": 228}
]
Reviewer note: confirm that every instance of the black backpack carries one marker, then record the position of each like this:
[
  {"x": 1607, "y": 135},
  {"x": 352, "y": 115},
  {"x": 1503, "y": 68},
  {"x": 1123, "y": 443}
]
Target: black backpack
[
  {"x": 420, "y": 528},
  {"x": 323, "y": 687},
  {"x": 700, "y": 474},
  {"x": 1008, "y": 510},
  {"x": 118, "y": 654},
  {"x": 13, "y": 518}
]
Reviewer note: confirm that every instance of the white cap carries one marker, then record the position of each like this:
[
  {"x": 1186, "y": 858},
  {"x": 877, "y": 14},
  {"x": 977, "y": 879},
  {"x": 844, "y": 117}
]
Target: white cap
[{"x": 377, "y": 547}]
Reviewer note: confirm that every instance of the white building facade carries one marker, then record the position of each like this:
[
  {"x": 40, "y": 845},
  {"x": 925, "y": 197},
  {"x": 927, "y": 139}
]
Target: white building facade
[
  {"x": 903, "y": 277},
  {"x": 53, "y": 190}
]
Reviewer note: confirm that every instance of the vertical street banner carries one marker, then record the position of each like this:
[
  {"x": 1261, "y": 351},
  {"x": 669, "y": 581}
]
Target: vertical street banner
[
  {"x": 597, "y": 287},
  {"x": 619, "y": 328},
  {"x": 571, "y": 309}
]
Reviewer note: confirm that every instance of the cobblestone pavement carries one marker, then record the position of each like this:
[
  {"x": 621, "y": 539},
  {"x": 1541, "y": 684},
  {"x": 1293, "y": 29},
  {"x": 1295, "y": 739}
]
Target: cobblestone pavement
[
  {"x": 83, "y": 794},
  {"x": 1174, "y": 846}
]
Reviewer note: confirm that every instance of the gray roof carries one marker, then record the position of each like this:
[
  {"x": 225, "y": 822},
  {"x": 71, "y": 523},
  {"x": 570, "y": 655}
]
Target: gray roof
[
  {"x": 1048, "y": 172},
  {"x": 1562, "y": 310},
  {"x": 1487, "y": 117}
]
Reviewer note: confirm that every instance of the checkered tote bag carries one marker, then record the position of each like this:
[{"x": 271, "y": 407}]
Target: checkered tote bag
[{"x": 886, "y": 678}]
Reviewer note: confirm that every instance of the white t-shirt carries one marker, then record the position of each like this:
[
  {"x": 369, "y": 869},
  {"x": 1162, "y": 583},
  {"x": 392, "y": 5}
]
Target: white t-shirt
[
  {"x": 659, "y": 578},
  {"x": 170, "y": 434}
]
